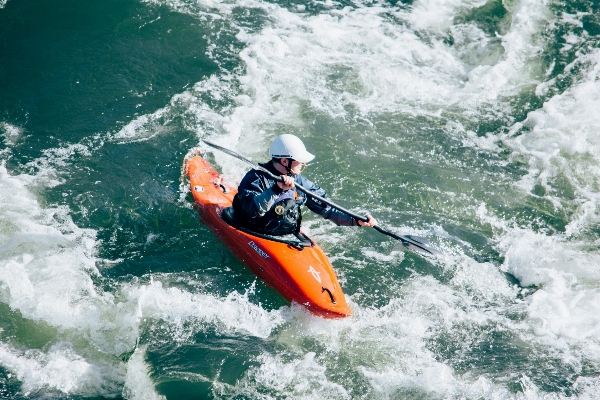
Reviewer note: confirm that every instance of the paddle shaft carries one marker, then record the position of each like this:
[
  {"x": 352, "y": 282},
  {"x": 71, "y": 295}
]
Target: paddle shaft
[{"x": 276, "y": 178}]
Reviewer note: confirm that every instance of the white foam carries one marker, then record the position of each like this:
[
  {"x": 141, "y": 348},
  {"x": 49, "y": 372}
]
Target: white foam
[
  {"x": 47, "y": 263},
  {"x": 566, "y": 307},
  {"x": 358, "y": 58},
  {"x": 47, "y": 266},
  {"x": 301, "y": 378},
  {"x": 588, "y": 387},
  {"x": 438, "y": 16},
  {"x": 386, "y": 346},
  {"x": 562, "y": 140},
  {"x": 11, "y": 133},
  {"x": 45, "y": 258},
  {"x": 53, "y": 161},
  {"x": 233, "y": 313},
  {"x": 561, "y": 296},
  {"x": 352, "y": 56},
  {"x": 138, "y": 385},
  {"x": 142, "y": 128},
  {"x": 60, "y": 369}
]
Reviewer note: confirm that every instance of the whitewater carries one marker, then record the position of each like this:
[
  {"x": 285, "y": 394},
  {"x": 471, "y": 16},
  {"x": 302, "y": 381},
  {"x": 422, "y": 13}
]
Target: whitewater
[{"x": 471, "y": 123}]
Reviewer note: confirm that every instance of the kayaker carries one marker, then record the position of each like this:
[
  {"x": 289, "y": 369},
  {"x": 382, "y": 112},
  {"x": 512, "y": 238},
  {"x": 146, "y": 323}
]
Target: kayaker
[{"x": 266, "y": 206}]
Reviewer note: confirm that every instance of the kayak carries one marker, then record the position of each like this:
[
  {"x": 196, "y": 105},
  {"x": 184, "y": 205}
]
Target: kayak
[{"x": 293, "y": 265}]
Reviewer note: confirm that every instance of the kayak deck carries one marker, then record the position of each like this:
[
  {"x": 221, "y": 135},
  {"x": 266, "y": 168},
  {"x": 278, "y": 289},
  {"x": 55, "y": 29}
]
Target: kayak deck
[
  {"x": 300, "y": 273},
  {"x": 298, "y": 240}
]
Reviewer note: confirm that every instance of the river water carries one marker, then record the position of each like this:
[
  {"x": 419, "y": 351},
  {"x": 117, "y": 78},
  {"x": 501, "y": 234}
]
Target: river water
[{"x": 471, "y": 123}]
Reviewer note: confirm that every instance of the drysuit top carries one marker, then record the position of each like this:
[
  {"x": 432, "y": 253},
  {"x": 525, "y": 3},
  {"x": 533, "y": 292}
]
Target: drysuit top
[{"x": 262, "y": 206}]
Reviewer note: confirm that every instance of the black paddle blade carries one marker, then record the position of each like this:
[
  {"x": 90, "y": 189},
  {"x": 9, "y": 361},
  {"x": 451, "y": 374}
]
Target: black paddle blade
[
  {"x": 419, "y": 245},
  {"x": 416, "y": 244}
]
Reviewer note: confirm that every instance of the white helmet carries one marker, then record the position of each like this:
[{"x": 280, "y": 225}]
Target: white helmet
[{"x": 289, "y": 146}]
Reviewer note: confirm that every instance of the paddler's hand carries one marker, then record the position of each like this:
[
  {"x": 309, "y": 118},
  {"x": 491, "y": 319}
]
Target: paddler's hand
[
  {"x": 288, "y": 182},
  {"x": 370, "y": 222}
]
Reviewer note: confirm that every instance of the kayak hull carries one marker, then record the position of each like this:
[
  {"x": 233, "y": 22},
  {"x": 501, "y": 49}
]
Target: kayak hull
[{"x": 301, "y": 275}]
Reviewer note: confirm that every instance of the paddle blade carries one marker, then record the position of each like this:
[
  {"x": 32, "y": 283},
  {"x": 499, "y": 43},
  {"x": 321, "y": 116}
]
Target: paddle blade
[{"x": 419, "y": 245}]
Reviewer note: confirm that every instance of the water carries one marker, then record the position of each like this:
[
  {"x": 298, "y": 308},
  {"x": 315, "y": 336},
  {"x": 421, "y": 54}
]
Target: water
[{"x": 471, "y": 123}]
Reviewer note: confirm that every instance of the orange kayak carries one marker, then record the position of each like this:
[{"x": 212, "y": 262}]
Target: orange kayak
[{"x": 298, "y": 270}]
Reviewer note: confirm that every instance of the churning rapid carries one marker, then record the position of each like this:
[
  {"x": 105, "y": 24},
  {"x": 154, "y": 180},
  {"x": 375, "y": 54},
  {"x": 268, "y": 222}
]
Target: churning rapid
[{"x": 472, "y": 123}]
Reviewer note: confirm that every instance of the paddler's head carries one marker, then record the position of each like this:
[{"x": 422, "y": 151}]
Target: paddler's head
[{"x": 289, "y": 154}]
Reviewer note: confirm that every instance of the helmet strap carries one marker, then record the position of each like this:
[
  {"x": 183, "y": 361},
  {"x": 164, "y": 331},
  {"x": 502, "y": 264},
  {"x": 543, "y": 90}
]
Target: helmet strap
[{"x": 288, "y": 168}]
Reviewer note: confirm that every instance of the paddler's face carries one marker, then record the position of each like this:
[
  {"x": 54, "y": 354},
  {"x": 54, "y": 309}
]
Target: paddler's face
[{"x": 296, "y": 168}]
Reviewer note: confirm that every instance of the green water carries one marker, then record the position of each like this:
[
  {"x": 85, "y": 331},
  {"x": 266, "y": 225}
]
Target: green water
[{"x": 469, "y": 123}]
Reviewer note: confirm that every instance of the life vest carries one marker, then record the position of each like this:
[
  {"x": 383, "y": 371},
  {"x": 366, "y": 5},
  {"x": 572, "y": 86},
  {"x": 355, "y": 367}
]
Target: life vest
[{"x": 283, "y": 218}]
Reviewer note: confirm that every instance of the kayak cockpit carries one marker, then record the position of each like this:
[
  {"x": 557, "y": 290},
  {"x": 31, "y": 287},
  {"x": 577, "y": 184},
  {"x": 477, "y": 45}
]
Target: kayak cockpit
[{"x": 298, "y": 240}]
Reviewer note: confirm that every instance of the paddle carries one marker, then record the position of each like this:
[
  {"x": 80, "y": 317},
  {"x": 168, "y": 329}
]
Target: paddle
[{"x": 413, "y": 243}]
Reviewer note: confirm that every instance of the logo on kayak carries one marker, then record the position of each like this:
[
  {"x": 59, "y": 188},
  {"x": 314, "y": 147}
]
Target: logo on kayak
[
  {"x": 315, "y": 274},
  {"x": 258, "y": 250}
]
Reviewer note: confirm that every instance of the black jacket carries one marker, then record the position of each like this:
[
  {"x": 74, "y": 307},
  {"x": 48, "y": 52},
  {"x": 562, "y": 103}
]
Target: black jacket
[{"x": 258, "y": 195}]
